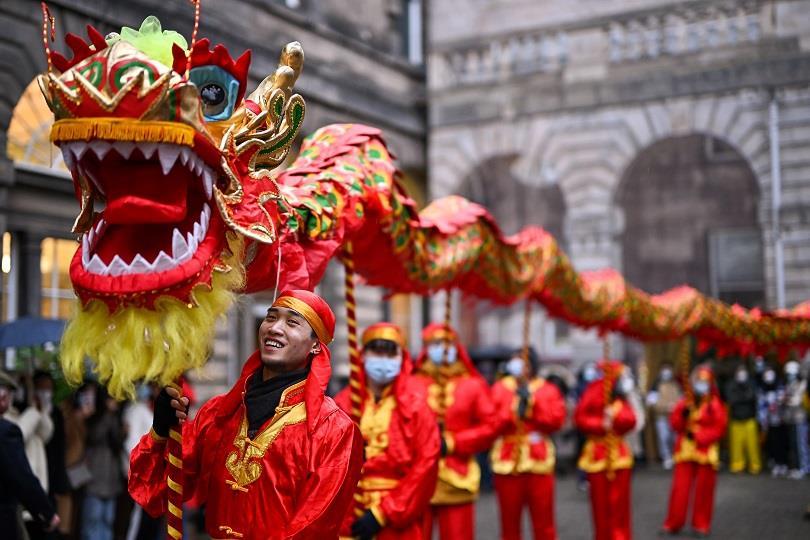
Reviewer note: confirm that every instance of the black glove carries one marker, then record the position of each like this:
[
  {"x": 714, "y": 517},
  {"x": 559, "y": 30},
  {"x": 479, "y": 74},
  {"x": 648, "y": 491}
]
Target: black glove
[
  {"x": 165, "y": 416},
  {"x": 366, "y": 526},
  {"x": 685, "y": 413},
  {"x": 444, "y": 446},
  {"x": 690, "y": 435}
]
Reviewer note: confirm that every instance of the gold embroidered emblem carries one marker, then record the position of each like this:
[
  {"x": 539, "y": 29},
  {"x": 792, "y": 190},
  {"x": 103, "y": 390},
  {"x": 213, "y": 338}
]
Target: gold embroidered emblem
[{"x": 244, "y": 463}]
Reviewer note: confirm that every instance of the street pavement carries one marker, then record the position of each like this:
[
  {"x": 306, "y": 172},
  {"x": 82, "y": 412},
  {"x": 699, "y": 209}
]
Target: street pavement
[{"x": 746, "y": 508}]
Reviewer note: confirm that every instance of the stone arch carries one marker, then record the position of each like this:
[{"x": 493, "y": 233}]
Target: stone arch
[{"x": 711, "y": 195}]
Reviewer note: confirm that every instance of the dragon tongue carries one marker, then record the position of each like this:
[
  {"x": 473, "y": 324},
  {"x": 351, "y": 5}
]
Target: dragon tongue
[{"x": 147, "y": 198}]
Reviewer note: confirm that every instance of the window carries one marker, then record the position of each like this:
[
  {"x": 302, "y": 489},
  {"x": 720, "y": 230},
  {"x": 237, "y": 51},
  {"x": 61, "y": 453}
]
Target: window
[
  {"x": 57, "y": 291},
  {"x": 29, "y": 132},
  {"x": 6, "y": 293}
]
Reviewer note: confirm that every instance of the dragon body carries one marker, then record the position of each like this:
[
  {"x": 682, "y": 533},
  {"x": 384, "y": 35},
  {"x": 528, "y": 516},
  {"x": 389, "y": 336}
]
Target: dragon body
[{"x": 197, "y": 208}]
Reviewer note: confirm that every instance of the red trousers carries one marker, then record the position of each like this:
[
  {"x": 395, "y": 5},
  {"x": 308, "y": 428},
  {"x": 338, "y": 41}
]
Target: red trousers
[
  {"x": 684, "y": 476},
  {"x": 456, "y": 521},
  {"x": 610, "y": 505},
  {"x": 533, "y": 490}
]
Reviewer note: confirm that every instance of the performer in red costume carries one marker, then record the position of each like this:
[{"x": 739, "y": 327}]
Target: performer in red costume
[
  {"x": 460, "y": 397},
  {"x": 700, "y": 422},
  {"x": 401, "y": 443},
  {"x": 523, "y": 457},
  {"x": 605, "y": 416},
  {"x": 273, "y": 458}
]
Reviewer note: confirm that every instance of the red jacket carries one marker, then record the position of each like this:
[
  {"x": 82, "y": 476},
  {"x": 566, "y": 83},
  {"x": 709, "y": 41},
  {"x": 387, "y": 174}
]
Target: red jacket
[
  {"x": 295, "y": 479},
  {"x": 525, "y": 445},
  {"x": 707, "y": 424},
  {"x": 402, "y": 452},
  {"x": 602, "y": 449},
  {"x": 470, "y": 426}
]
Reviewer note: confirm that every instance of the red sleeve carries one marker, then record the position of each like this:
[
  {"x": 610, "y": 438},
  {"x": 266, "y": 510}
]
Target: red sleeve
[
  {"x": 712, "y": 424},
  {"x": 548, "y": 409},
  {"x": 412, "y": 495},
  {"x": 589, "y": 414},
  {"x": 148, "y": 463},
  {"x": 485, "y": 426},
  {"x": 503, "y": 402},
  {"x": 676, "y": 417},
  {"x": 329, "y": 489},
  {"x": 625, "y": 419}
]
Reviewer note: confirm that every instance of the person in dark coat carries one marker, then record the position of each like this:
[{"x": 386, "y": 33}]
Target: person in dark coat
[{"x": 18, "y": 485}]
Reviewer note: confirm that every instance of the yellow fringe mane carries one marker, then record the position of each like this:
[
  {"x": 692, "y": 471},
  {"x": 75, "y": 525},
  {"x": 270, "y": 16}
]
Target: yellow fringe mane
[{"x": 136, "y": 344}]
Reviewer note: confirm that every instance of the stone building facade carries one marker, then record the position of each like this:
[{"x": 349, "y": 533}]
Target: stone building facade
[
  {"x": 646, "y": 134},
  {"x": 361, "y": 66}
]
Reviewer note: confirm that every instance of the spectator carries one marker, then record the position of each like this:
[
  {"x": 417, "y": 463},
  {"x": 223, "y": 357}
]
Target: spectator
[
  {"x": 58, "y": 486},
  {"x": 662, "y": 399},
  {"x": 743, "y": 434},
  {"x": 137, "y": 423},
  {"x": 769, "y": 405},
  {"x": 795, "y": 418},
  {"x": 76, "y": 411},
  {"x": 104, "y": 446},
  {"x": 18, "y": 483}
]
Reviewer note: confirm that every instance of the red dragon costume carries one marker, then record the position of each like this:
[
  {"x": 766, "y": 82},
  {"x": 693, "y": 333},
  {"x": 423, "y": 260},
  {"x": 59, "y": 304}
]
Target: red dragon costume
[
  {"x": 606, "y": 457},
  {"x": 700, "y": 426},
  {"x": 523, "y": 457},
  {"x": 401, "y": 449},
  {"x": 294, "y": 479},
  {"x": 461, "y": 400}
]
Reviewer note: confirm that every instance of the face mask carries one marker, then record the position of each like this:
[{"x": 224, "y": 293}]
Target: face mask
[
  {"x": 742, "y": 377},
  {"x": 625, "y": 385},
  {"x": 143, "y": 393},
  {"x": 590, "y": 374},
  {"x": 769, "y": 377},
  {"x": 666, "y": 375},
  {"x": 514, "y": 367},
  {"x": 382, "y": 369},
  {"x": 701, "y": 388},
  {"x": 436, "y": 353},
  {"x": 45, "y": 397}
]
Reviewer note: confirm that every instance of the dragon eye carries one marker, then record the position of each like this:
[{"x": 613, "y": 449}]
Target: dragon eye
[
  {"x": 218, "y": 90},
  {"x": 213, "y": 98}
]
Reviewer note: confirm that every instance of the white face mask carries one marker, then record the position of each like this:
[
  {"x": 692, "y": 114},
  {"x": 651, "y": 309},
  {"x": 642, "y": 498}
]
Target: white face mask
[
  {"x": 514, "y": 367},
  {"x": 769, "y": 377},
  {"x": 590, "y": 374},
  {"x": 666, "y": 375},
  {"x": 741, "y": 377},
  {"x": 45, "y": 398},
  {"x": 436, "y": 353},
  {"x": 382, "y": 369}
]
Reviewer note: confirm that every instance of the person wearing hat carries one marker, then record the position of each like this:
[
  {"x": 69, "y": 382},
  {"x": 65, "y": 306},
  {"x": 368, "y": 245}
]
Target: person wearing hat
[
  {"x": 274, "y": 457},
  {"x": 523, "y": 457},
  {"x": 605, "y": 415},
  {"x": 700, "y": 421},
  {"x": 18, "y": 485},
  {"x": 401, "y": 442},
  {"x": 460, "y": 397}
]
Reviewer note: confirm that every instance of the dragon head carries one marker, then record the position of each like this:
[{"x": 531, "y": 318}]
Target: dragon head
[{"x": 162, "y": 136}]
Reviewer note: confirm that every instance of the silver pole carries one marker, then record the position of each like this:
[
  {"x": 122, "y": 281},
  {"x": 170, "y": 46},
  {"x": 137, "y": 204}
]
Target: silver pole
[{"x": 776, "y": 201}]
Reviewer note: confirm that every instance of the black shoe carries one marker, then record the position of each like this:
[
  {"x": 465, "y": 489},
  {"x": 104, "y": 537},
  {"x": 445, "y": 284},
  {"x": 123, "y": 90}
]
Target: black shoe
[
  {"x": 663, "y": 531},
  {"x": 700, "y": 534}
]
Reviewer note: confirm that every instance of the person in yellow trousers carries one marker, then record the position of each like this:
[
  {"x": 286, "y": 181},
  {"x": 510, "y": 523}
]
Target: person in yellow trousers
[{"x": 743, "y": 430}]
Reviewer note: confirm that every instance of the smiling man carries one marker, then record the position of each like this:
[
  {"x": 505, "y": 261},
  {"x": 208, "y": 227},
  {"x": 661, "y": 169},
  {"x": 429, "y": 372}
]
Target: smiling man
[{"x": 273, "y": 458}]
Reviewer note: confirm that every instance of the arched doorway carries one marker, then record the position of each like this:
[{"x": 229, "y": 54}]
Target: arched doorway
[
  {"x": 690, "y": 209},
  {"x": 514, "y": 203}
]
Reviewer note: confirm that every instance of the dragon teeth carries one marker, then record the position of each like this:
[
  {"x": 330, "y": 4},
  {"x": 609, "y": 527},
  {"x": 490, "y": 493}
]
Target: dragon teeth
[
  {"x": 168, "y": 154},
  {"x": 100, "y": 148}
]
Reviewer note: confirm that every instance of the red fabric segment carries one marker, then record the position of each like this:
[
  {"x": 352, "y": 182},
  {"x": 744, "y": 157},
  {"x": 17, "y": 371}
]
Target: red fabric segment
[
  {"x": 456, "y": 521},
  {"x": 685, "y": 478}
]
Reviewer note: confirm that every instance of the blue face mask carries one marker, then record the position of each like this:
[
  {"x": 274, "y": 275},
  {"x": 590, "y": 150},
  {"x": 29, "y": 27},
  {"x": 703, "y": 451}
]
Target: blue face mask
[
  {"x": 436, "y": 353},
  {"x": 701, "y": 388},
  {"x": 143, "y": 392},
  {"x": 514, "y": 367},
  {"x": 382, "y": 369}
]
